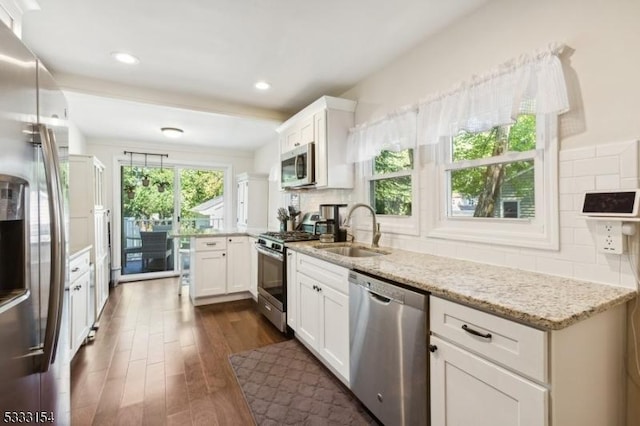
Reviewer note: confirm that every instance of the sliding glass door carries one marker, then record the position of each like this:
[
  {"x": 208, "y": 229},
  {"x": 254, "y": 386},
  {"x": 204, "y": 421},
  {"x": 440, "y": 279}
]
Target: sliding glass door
[{"x": 159, "y": 204}]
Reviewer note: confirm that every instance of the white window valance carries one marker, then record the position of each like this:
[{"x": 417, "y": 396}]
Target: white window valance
[
  {"x": 532, "y": 84},
  {"x": 395, "y": 132}
]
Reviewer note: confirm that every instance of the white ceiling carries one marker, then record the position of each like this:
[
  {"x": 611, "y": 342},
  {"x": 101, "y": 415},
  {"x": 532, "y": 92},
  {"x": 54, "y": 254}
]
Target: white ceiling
[{"x": 199, "y": 59}]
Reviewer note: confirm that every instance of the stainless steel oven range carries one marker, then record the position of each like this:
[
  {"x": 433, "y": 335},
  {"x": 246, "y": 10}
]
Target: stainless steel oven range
[{"x": 272, "y": 273}]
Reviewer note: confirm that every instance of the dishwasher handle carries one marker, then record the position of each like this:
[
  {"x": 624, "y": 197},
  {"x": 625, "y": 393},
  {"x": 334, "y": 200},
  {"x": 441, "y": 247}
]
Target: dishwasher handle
[{"x": 378, "y": 297}]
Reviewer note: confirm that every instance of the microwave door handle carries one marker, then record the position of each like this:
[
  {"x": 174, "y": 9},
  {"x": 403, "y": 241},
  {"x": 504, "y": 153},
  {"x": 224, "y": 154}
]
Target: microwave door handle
[
  {"x": 295, "y": 166},
  {"x": 58, "y": 272}
]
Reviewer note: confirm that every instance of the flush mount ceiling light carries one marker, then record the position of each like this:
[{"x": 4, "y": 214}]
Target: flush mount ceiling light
[
  {"x": 262, "y": 85},
  {"x": 125, "y": 58},
  {"x": 172, "y": 132}
]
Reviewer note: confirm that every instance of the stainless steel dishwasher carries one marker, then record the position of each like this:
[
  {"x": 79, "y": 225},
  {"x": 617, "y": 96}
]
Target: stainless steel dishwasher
[{"x": 388, "y": 350}]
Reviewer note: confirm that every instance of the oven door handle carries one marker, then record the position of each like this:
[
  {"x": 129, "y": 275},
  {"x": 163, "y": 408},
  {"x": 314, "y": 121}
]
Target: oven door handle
[{"x": 269, "y": 253}]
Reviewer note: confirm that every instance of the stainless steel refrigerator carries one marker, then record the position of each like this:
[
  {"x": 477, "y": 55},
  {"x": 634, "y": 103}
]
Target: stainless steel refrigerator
[{"x": 34, "y": 317}]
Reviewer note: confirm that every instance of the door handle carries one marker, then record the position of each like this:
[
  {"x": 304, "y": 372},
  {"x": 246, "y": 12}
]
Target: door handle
[
  {"x": 58, "y": 255},
  {"x": 470, "y": 330}
]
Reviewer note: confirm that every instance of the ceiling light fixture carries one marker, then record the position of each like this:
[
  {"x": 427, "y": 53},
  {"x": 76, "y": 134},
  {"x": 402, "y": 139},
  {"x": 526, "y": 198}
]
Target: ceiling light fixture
[
  {"x": 172, "y": 132},
  {"x": 125, "y": 58},
  {"x": 262, "y": 85}
]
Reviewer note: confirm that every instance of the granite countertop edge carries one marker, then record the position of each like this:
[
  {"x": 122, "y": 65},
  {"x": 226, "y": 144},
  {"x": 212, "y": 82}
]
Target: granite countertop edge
[{"x": 543, "y": 301}]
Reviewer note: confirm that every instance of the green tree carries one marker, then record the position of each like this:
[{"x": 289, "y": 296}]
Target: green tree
[
  {"x": 197, "y": 186},
  {"x": 392, "y": 195}
]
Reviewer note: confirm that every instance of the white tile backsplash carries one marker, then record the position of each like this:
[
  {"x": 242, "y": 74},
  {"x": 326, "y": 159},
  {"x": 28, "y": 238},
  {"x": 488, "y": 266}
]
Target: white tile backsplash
[{"x": 610, "y": 166}]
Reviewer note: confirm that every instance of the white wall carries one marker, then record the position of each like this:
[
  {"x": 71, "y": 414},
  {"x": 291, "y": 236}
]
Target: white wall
[
  {"x": 603, "y": 33},
  {"x": 77, "y": 141}
]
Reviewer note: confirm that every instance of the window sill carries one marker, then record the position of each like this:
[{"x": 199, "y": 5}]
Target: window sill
[{"x": 491, "y": 236}]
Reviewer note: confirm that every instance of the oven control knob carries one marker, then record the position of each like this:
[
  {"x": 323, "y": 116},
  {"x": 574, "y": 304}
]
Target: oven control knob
[
  {"x": 277, "y": 246},
  {"x": 261, "y": 241}
]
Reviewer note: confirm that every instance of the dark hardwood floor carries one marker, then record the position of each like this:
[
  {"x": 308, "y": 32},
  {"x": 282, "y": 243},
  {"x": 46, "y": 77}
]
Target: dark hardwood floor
[{"x": 157, "y": 360}]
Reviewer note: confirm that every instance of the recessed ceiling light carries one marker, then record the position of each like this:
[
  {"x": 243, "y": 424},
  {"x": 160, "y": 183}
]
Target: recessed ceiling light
[
  {"x": 125, "y": 58},
  {"x": 262, "y": 85},
  {"x": 172, "y": 132}
]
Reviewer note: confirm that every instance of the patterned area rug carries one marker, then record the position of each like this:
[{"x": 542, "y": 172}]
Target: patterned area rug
[{"x": 285, "y": 385}]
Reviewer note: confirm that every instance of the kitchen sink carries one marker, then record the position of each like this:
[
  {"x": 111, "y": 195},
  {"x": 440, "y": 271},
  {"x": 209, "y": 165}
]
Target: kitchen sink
[{"x": 352, "y": 251}]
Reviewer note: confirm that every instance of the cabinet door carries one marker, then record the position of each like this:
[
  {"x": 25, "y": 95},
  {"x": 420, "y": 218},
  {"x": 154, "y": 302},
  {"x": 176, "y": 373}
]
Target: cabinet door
[
  {"x": 307, "y": 133},
  {"x": 308, "y": 313},
  {"x": 237, "y": 271},
  {"x": 101, "y": 284},
  {"x": 469, "y": 390},
  {"x": 242, "y": 203},
  {"x": 333, "y": 342},
  {"x": 253, "y": 277},
  {"x": 79, "y": 301},
  {"x": 210, "y": 273},
  {"x": 292, "y": 300},
  {"x": 291, "y": 139}
]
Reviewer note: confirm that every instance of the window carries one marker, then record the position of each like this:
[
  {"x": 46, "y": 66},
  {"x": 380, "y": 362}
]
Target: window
[
  {"x": 391, "y": 186},
  {"x": 488, "y": 168},
  {"x": 500, "y": 185},
  {"x": 390, "y": 183}
]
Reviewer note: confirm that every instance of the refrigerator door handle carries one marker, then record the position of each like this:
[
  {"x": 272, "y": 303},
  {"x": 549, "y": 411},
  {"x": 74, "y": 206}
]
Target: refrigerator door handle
[{"x": 58, "y": 265}]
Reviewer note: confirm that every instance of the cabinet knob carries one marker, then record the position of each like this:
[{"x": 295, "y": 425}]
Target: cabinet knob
[
  {"x": 224, "y": 254},
  {"x": 433, "y": 348}
]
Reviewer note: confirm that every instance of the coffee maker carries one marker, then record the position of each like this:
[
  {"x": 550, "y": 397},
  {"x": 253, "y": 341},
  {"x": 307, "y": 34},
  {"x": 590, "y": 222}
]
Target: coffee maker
[{"x": 331, "y": 217}]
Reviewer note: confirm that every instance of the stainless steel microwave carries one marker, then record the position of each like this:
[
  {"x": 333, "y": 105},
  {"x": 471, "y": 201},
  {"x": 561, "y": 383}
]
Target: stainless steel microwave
[{"x": 298, "y": 167}]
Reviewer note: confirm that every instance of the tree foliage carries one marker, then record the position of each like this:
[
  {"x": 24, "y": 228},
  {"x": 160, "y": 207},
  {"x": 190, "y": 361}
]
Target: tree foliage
[
  {"x": 197, "y": 186},
  {"x": 392, "y": 196}
]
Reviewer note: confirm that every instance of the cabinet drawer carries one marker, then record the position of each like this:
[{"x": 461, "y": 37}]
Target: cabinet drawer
[
  {"x": 78, "y": 265},
  {"x": 514, "y": 345},
  {"x": 214, "y": 243},
  {"x": 323, "y": 271}
]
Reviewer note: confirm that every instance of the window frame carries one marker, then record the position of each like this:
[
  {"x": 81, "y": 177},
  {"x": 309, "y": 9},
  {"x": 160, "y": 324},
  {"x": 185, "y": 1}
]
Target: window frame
[
  {"x": 394, "y": 224},
  {"x": 540, "y": 232}
]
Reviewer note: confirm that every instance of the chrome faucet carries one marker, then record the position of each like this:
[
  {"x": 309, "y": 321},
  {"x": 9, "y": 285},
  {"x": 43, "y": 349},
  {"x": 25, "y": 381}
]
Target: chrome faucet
[{"x": 375, "y": 236}]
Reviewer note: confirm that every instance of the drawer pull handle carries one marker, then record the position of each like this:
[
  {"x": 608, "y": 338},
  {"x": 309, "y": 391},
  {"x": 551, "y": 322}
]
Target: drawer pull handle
[
  {"x": 76, "y": 269},
  {"x": 267, "y": 307},
  {"x": 466, "y": 328},
  {"x": 211, "y": 244}
]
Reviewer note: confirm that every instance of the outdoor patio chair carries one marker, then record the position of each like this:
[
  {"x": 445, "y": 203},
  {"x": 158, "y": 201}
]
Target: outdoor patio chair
[{"x": 155, "y": 246}]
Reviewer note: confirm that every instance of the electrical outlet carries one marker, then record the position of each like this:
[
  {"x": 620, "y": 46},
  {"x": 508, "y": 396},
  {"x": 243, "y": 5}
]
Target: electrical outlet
[{"x": 609, "y": 238}]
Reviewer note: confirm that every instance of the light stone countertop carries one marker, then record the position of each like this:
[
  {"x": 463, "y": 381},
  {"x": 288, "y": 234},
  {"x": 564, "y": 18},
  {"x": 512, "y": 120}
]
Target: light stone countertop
[
  {"x": 543, "y": 301},
  {"x": 202, "y": 233}
]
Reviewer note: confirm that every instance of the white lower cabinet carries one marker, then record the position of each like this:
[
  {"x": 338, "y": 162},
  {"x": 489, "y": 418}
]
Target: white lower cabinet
[
  {"x": 469, "y": 390},
  {"x": 79, "y": 282},
  {"x": 210, "y": 270},
  {"x": 323, "y": 312},
  {"x": 292, "y": 305},
  {"x": 488, "y": 370},
  {"x": 253, "y": 275},
  {"x": 238, "y": 278},
  {"x": 219, "y": 270},
  {"x": 208, "y": 266}
]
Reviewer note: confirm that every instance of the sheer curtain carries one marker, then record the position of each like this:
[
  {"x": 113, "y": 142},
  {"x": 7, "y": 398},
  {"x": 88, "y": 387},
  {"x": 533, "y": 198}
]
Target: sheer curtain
[
  {"x": 532, "y": 83},
  {"x": 395, "y": 132}
]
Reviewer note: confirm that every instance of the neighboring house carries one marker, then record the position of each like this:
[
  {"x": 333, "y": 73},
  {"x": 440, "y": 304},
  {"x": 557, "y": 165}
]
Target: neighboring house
[
  {"x": 517, "y": 197},
  {"x": 214, "y": 209}
]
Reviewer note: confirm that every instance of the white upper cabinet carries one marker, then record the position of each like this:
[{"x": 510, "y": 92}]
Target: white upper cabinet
[
  {"x": 253, "y": 201},
  {"x": 326, "y": 123}
]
